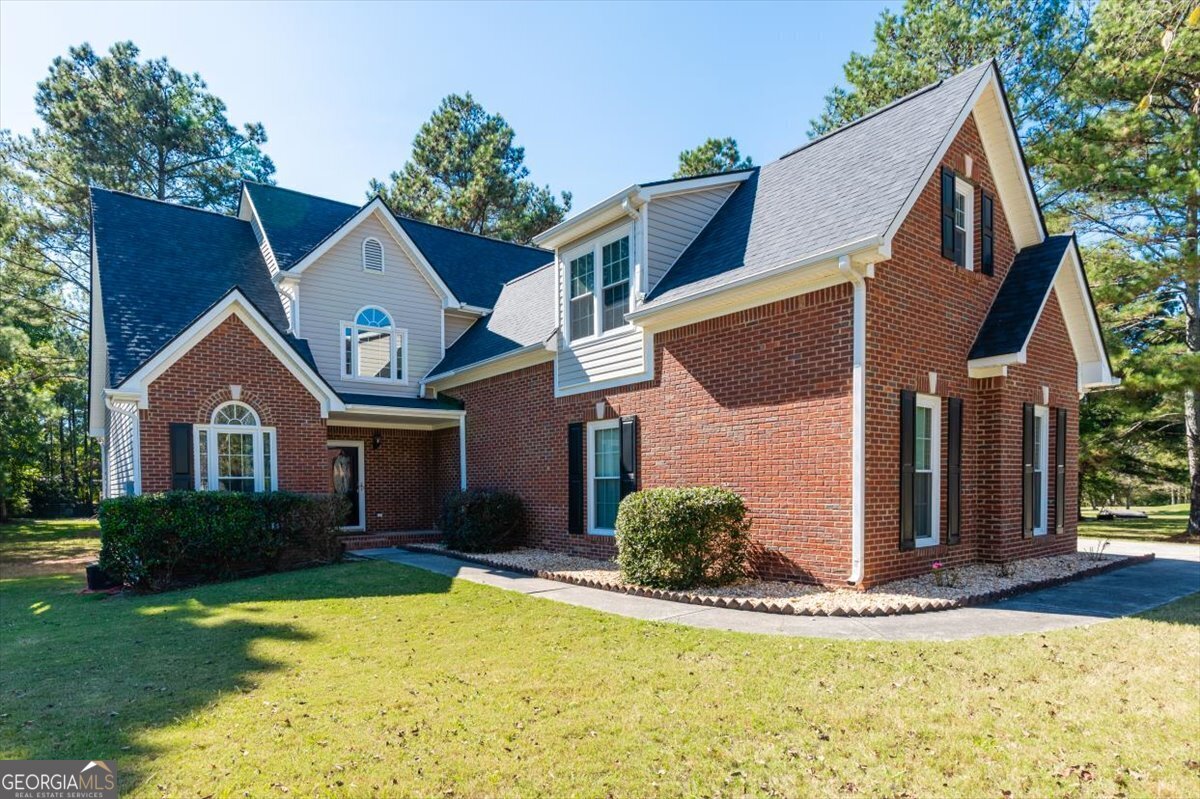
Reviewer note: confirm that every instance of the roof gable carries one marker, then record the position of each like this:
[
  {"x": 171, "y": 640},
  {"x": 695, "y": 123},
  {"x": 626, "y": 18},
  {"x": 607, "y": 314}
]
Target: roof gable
[
  {"x": 1006, "y": 331},
  {"x": 162, "y": 265},
  {"x": 847, "y": 187},
  {"x": 472, "y": 268}
]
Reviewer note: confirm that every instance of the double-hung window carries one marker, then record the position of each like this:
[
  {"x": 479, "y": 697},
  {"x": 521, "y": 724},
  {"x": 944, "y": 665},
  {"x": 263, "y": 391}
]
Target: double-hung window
[
  {"x": 235, "y": 452},
  {"x": 1041, "y": 419},
  {"x": 594, "y": 310},
  {"x": 604, "y": 473},
  {"x": 926, "y": 455},
  {"x": 964, "y": 201},
  {"x": 373, "y": 348}
]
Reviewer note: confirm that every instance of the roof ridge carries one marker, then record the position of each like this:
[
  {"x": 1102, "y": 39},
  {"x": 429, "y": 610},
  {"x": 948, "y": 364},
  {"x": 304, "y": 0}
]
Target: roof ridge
[
  {"x": 231, "y": 217},
  {"x": 717, "y": 174},
  {"x": 407, "y": 218},
  {"x": 297, "y": 191},
  {"x": 899, "y": 101},
  {"x": 530, "y": 273}
]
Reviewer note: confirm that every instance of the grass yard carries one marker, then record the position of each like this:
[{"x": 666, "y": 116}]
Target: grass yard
[
  {"x": 1163, "y": 523},
  {"x": 47, "y": 547},
  {"x": 373, "y": 679}
]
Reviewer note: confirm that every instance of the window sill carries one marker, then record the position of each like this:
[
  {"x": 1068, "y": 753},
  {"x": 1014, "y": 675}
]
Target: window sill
[
  {"x": 925, "y": 543},
  {"x": 607, "y": 334},
  {"x": 379, "y": 381}
]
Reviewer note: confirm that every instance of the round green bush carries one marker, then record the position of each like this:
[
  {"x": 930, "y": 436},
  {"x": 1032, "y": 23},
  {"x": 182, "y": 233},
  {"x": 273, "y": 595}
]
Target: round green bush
[
  {"x": 680, "y": 538},
  {"x": 481, "y": 520}
]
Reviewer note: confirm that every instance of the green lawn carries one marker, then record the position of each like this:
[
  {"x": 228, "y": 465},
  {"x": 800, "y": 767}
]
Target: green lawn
[
  {"x": 1164, "y": 523},
  {"x": 374, "y": 679},
  {"x": 47, "y": 547}
]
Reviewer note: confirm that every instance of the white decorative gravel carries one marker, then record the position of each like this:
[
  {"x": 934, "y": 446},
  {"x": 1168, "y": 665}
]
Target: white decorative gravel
[{"x": 960, "y": 584}]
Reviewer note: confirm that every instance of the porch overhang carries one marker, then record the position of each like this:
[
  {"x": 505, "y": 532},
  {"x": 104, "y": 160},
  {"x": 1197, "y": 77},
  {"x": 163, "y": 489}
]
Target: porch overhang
[{"x": 396, "y": 413}]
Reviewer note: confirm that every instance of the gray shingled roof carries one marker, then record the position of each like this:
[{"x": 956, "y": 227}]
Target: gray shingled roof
[
  {"x": 524, "y": 314},
  {"x": 439, "y": 404},
  {"x": 295, "y": 222},
  {"x": 844, "y": 187},
  {"x": 161, "y": 266},
  {"x": 474, "y": 267},
  {"x": 1015, "y": 309}
]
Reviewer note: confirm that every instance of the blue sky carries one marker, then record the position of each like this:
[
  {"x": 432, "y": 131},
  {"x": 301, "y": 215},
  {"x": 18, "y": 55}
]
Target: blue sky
[{"x": 600, "y": 95}]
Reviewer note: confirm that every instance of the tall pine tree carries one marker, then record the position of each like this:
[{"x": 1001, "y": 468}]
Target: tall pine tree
[{"x": 466, "y": 173}]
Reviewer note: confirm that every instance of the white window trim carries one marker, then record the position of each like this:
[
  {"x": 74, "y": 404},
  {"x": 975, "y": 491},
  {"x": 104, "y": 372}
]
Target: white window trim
[
  {"x": 968, "y": 192},
  {"x": 1041, "y": 523},
  {"x": 382, "y": 256},
  {"x": 596, "y": 247},
  {"x": 362, "y": 482},
  {"x": 397, "y": 333},
  {"x": 257, "y": 430},
  {"x": 934, "y": 404},
  {"x": 590, "y": 449}
]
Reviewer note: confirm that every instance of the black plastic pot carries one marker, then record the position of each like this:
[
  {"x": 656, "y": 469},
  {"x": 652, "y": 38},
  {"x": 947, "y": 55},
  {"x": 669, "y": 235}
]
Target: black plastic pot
[{"x": 98, "y": 579}]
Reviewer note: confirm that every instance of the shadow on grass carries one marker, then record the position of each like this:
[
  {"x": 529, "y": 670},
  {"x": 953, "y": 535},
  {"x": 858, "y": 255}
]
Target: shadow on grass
[{"x": 87, "y": 677}]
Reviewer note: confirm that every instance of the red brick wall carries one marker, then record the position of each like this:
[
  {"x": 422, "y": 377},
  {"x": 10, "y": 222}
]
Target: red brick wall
[
  {"x": 923, "y": 314},
  {"x": 399, "y": 492},
  {"x": 191, "y": 388},
  {"x": 445, "y": 466},
  {"x": 758, "y": 401}
]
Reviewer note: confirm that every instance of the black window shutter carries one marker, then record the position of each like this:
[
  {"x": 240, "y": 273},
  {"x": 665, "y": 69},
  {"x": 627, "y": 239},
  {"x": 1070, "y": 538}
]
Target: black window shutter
[
  {"x": 987, "y": 244},
  {"x": 948, "y": 213},
  {"x": 575, "y": 478},
  {"x": 1060, "y": 470},
  {"x": 1027, "y": 510},
  {"x": 629, "y": 455},
  {"x": 181, "y": 457},
  {"x": 954, "y": 472},
  {"x": 908, "y": 426}
]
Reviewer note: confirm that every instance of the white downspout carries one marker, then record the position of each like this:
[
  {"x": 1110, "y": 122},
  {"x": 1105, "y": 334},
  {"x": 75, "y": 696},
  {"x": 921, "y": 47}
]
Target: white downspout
[{"x": 858, "y": 404}]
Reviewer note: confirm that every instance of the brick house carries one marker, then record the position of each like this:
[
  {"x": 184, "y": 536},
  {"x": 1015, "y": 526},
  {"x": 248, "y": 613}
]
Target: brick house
[{"x": 873, "y": 339}]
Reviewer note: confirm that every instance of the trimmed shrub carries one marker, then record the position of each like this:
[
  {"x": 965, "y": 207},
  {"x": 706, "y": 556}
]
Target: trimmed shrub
[
  {"x": 681, "y": 538},
  {"x": 158, "y": 540},
  {"x": 481, "y": 520}
]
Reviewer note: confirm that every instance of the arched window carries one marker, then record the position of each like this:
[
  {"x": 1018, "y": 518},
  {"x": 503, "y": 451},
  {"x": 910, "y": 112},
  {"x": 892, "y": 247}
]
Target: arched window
[
  {"x": 235, "y": 452},
  {"x": 373, "y": 348},
  {"x": 372, "y": 254}
]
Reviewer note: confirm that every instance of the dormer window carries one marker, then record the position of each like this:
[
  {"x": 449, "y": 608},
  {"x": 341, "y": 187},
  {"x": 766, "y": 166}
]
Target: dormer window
[
  {"x": 588, "y": 308},
  {"x": 373, "y": 348},
  {"x": 372, "y": 255}
]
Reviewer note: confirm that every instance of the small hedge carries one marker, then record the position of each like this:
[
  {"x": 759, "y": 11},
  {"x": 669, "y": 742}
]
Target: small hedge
[
  {"x": 483, "y": 521},
  {"x": 155, "y": 541},
  {"x": 680, "y": 538}
]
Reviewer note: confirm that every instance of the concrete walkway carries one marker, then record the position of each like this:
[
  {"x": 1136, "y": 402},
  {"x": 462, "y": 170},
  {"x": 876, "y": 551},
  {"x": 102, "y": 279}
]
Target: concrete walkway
[{"x": 1174, "y": 573}]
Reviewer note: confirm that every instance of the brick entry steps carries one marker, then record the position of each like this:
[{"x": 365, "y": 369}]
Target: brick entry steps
[{"x": 397, "y": 539}]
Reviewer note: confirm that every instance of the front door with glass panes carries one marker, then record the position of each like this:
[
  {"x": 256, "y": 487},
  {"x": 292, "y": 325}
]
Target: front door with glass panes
[{"x": 346, "y": 480}]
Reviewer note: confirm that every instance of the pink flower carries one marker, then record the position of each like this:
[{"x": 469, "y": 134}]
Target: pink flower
[{"x": 937, "y": 564}]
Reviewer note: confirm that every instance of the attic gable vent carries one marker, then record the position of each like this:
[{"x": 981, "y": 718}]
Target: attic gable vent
[{"x": 372, "y": 255}]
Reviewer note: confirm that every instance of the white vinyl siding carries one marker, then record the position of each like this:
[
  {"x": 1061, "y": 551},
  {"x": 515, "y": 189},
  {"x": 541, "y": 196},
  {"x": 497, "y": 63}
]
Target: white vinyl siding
[
  {"x": 267, "y": 255},
  {"x": 621, "y": 354},
  {"x": 121, "y": 451},
  {"x": 456, "y": 325},
  {"x": 674, "y": 222},
  {"x": 336, "y": 287}
]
